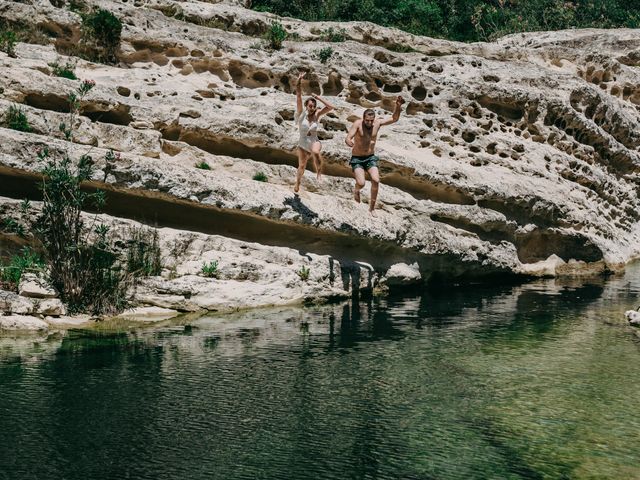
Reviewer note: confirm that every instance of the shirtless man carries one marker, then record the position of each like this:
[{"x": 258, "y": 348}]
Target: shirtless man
[{"x": 362, "y": 138}]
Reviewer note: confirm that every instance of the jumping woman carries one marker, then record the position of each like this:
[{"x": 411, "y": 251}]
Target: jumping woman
[{"x": 307, "y": 121}]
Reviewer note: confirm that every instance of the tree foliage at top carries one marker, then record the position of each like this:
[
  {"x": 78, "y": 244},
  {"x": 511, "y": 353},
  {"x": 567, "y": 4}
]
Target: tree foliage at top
[{"x": 465, "y": 20}]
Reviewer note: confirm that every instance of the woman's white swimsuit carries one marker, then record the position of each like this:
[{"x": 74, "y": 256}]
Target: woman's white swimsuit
[{"x": 308, "y": 131}]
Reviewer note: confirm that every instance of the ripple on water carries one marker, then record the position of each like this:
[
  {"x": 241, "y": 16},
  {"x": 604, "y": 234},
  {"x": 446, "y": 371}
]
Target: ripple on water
[{"x": 529, "y": 381}]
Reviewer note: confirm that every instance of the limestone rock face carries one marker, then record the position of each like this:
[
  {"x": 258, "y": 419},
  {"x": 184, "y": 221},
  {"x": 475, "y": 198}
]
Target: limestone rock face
[{"x": 519, "y": 157}]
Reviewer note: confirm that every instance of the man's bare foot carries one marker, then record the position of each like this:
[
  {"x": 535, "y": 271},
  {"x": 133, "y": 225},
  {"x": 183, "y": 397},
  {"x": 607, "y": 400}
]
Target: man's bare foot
[
  {"x": 296, "y": 188},
  {"x": 356, "y": 196},
  {"x": 373, "y": 213}
]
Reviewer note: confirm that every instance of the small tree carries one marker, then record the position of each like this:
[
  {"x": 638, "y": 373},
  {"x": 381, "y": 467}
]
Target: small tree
[
  {"x": 83, "y": 262},
  {"x": 276, "y": 34},
  {"x": 104, "y": 29},
  {"x": 8, "y": 41}
]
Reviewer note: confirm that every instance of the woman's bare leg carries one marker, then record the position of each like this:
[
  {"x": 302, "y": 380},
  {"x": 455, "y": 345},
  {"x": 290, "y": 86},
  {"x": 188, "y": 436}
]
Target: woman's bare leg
[
  {"x": 317, "y": 159},
  {"x": 303, "y": 156}
]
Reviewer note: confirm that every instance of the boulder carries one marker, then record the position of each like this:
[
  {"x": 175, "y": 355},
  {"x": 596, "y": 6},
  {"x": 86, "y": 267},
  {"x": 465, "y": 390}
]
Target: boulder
[
  {"x": 50, "y": 306},
  {"x": 13, "y": 303},
  {"x": 401, "y": 274},
  {"x": 34, "y": 286},
  {"x": 22, "y": 322}
]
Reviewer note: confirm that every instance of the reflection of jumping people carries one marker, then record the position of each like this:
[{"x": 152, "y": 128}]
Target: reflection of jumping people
[
  {"x": 362, "y": 138},
  {"x": 307, "y": 122}
]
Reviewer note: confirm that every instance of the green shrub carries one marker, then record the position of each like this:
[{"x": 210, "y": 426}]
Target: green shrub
[
  {"x": 85, "y": 264},
  {"x": 276, "y": 34},
  {"x": 75, "y": 104},
  {"x": 210, "y": 269},
  {"x": 304, "y": 273},
  {"x": 104, "y": 29},
  {"x": 11, "y": 225},
  {"x": 203, "y": 165},
  {"x": 143, "y": 252},
  {"x": 331, "y": 35},
  {"x": 8, "y": 41},
  {"x": 16, "y": 119},
  {"x": 65, "y": 71},
  {"x": 78, "y": 6},
  {"x": 260, "y": 177},
  {"x": 324, "y": 54},
  {"x": 26, "y": 261}
]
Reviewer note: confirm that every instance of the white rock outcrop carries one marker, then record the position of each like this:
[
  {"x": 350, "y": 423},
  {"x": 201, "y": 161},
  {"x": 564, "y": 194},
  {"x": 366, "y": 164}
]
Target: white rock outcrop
[{"x": 519, "y": 157}]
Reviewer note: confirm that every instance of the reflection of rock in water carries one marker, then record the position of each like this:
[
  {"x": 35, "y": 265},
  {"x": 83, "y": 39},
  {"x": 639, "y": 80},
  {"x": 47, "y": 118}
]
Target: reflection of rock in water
[{"x": 29, "y": 347}]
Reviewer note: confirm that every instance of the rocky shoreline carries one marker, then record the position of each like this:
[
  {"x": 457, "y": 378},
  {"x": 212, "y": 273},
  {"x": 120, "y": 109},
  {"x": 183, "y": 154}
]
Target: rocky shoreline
[{"x": 513, "y": 159}]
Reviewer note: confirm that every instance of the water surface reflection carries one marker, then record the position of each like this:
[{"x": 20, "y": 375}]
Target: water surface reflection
[{"x": 527, "y": 381}]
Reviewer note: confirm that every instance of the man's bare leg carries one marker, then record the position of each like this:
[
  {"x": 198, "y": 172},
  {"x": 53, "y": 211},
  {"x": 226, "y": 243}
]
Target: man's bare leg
[
  {"x": 317, "y": 159},
  {"x": 303, "y": 156},
  {"x": 375, "y": 183},
  {"x": 358, "y": 173}
]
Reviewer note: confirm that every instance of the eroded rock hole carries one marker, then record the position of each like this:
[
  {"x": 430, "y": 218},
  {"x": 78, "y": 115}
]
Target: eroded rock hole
[
  {"x": 391, "y": 88},
  {"x": 51, "y": 102},
  {"x": 510, "y": 110},
  {"x": 541, "y": 244},
  {"x": 116, "y": 116},
  {"x": 419, "y": 93}
]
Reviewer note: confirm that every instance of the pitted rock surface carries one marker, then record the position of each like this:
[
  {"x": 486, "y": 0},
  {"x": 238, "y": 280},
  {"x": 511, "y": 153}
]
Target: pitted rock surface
[{"x": 518, "y": 157}]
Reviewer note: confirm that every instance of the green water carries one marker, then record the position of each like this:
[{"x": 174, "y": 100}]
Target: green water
[{"x": 533, "y": 381}]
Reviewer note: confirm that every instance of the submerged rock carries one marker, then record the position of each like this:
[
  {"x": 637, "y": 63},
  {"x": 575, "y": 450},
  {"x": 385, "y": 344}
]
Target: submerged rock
[{"x": 148, "y": 314}]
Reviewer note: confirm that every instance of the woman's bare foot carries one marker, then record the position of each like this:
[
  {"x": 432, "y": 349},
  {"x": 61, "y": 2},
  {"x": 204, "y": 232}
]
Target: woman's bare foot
[
  {"x": 319, "y": 176},
  {"x": 373, "y": 213}
]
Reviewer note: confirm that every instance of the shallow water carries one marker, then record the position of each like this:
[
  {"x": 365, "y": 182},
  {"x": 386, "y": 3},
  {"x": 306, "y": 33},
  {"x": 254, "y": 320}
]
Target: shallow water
[{"x": 532, "y": 381}]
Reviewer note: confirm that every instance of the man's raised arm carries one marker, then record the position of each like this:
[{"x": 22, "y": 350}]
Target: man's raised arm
[{"x": 396, "y": 112}]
